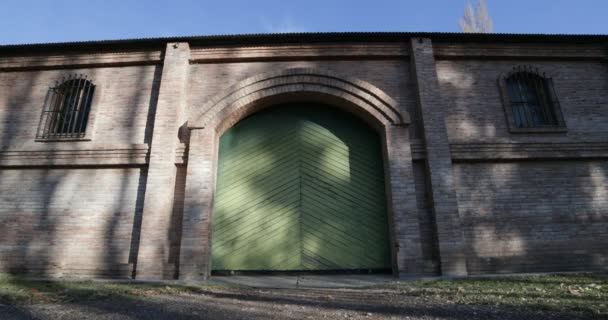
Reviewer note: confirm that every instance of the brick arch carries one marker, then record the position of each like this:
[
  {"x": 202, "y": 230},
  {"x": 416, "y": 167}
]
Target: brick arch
[
  {"x": 243, "y": 98},
  {"x": 303, "y": 85}
]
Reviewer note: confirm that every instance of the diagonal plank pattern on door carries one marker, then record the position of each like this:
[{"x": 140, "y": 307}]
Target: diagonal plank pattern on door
[{"x": 300, "y": 187}]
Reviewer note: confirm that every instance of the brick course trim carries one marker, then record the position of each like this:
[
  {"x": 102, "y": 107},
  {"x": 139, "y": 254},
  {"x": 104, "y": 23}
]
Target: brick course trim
[
  {"x": 300, "y": 52},
  {"x": 76, "y": 155},
  {"x": 528, "y": 151},
  {"x": 519, "y": 51},
  {"x": 491, "y": 151},
  {"x": 79, "y": 60}
]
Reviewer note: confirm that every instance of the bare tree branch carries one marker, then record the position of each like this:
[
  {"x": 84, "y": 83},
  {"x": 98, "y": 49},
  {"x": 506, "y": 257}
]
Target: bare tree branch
[{"x": 476, "y": 20}]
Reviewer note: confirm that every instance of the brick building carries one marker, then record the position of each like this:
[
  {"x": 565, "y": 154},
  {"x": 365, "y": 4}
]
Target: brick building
[{"x": 412, "y": 153}]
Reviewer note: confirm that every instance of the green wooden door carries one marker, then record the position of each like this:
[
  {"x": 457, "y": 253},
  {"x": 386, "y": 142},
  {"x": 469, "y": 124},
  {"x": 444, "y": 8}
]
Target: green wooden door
[{"x": 300, "y": 187}]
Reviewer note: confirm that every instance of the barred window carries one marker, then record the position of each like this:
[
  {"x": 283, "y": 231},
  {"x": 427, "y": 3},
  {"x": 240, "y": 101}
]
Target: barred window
[
  {"x": 530, "y": 100},
  {"x": 66, "y": 110}
]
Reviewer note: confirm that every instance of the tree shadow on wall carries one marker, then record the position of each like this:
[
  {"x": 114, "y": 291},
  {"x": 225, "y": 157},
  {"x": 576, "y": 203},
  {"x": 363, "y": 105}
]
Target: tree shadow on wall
[
  {"x": 537, "y": 215},
  {"x": 300, "y": 196},
  {"x": 68, "y": 220}
]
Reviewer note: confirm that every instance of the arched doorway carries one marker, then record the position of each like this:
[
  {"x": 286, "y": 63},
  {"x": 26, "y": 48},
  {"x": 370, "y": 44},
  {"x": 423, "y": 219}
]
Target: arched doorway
[
  {"x": 300, "y": 187},
  {"x": 207, "y": 123}
]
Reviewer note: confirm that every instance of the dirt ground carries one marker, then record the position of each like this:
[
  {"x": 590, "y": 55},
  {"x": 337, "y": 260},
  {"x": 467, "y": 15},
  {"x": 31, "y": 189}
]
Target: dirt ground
[{"x": 236, "y": 303}]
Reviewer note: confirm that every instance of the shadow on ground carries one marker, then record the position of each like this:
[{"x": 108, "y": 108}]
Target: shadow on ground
[{"x": 245, "y": 303}]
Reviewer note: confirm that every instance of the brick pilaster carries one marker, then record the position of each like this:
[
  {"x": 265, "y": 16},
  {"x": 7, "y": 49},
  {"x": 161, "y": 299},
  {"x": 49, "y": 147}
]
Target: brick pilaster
[
  {"x": 438, "y": 159},
  {"x": 195, "y": 249},
  {"x": 153, "y": 253},
  {"x": 405, "y": 227}
]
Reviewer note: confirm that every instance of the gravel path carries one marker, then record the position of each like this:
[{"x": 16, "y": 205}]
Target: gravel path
[{"x": 271, "y": 304}]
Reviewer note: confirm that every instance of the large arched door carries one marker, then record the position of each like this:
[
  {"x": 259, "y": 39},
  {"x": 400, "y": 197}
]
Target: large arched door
[{"x": 300, "y": 187}]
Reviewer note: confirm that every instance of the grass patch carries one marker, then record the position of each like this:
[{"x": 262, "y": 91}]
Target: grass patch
[
  {"x": 575, "y": 293},
  {"x": 19, "y": 290},
  {"x": 581, "y": 293}
]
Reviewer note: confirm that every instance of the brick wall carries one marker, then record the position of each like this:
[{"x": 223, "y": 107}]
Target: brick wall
[
  {"x": 428, "y": 233},
  {"x": 526, "y": 202},
  {"x": 175, "y": 235},
  {"x": 475, "y": 112},
  {"x": 534, "y": 216},
  {"x": 70, "y": 221},
  {"x": 59, "y": 218},
  {"x": 540, "y": 204},
  {"x": 124, "y": 105}
]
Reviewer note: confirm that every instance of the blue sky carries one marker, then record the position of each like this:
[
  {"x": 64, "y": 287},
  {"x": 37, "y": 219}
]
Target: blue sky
[{"x": 29, "y": 21}]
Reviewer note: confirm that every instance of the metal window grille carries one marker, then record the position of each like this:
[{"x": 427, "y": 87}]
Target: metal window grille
[
  {"x": 66, "y": 108},
  {"x": 530, "y": 96}
]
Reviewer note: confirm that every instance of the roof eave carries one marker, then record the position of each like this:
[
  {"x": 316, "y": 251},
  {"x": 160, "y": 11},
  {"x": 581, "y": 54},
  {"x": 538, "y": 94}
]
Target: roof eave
[{"x": 290, "y": 38}]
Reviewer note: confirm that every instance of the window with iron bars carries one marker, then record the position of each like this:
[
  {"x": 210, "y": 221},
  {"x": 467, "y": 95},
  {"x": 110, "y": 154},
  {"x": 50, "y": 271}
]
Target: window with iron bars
[
  {"x": 66, "y": 110},
  {"x": 530, "y": 101}
]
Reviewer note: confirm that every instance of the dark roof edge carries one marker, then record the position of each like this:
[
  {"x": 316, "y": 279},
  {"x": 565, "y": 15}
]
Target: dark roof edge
[{"x": 281, "y": 38}]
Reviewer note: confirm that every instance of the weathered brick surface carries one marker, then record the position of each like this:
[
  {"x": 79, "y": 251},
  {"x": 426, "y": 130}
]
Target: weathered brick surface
[
  {"x": 195, "y": 251},
  {"x": 428, "y": 232},
  {"x": 135, "y": 197},
  {"x": 122, "y": 106},
  {"x": 301, "y": 51},
  {"x": 432, "y": 108},
  {"x": 520, "y": 50},
  {"x": 175, "y": 224},
  {"x": 154, "y": 243},
  {"x": 529, "y": 214},
  {"x": 68, "y": 221},
  {"x": 534, "y": 216},
  {"x": 72, "y": 59},
  {"x": 401, "y": 190},
  {"x": 391, "y": 76},
  {"x": 60, "y": 220},
  {"x": 475, "y": 113}
]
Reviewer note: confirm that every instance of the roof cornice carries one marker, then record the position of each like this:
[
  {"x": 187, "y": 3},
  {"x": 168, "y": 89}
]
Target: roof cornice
[{"x": 291, "y": 38}]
